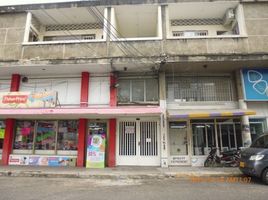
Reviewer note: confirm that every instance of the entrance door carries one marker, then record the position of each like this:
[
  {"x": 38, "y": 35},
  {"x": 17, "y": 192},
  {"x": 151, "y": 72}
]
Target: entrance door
[
  {"x": 138, "y": 143},
  {"x": 178, "y": 144}
]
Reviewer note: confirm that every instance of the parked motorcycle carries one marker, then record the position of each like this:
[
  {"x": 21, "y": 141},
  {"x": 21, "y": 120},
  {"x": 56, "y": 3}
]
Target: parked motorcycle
[{"x": 226, "y": 159}]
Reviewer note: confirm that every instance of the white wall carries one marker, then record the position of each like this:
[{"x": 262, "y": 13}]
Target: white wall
[
  {"x": 5, "y": 85},
  {"x": 261, "y": 109},
  {"x": 68, "y": 88},
  {"x": 99, "y": 91}
]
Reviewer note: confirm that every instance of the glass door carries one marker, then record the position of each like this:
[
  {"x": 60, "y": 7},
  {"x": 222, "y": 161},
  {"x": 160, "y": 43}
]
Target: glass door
[{"x": 178, "y": 140}]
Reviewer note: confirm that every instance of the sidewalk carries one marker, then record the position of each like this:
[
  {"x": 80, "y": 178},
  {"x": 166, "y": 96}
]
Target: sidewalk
[{"x": 117, "y": 173}]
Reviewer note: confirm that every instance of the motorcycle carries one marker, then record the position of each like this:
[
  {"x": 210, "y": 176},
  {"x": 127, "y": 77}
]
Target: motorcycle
[{"x": 226, "y": 159}]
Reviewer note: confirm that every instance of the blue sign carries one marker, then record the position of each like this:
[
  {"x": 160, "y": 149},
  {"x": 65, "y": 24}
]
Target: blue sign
[{"x": 255, "y": 83}]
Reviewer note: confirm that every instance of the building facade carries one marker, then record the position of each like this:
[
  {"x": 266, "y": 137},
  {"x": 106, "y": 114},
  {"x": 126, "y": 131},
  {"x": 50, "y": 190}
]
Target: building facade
[{"x": 161, "y": 82}]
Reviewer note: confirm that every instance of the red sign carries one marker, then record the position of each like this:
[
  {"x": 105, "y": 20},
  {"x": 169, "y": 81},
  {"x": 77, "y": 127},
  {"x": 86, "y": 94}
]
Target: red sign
[{"x": 15, "y": 99}]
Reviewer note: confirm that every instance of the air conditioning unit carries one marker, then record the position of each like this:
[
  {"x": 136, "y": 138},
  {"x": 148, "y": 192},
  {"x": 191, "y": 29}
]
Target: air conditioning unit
[{"x": 229, "y": 17}]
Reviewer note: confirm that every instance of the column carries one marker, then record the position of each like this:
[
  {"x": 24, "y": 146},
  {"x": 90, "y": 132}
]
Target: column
[
  {"x": 10, "y": 123},
  {"x": 82, "y": 129},
  {"x": 163, "y": 120},
  {"x": 82, "y": 132},
  {"x": 113, "y": 90},
  {"x": 112, "y": 143},
  {"x": 84, "y": 89},
  {"x": 246, "y": 137}
]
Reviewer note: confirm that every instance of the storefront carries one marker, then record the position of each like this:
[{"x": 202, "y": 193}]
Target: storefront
[
  {"x": 45, "y": 143},
  {"x": 192, "y": 138}
]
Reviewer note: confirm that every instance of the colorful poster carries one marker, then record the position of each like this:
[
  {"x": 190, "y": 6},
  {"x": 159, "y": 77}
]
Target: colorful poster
[
  {"x": 96, "y": 151},
  {"x": 255, "y": 82},
  {"x": 2, "y": 133},
  {"x": 18, "y": 160},
  {"x": 28, "y": 99}
]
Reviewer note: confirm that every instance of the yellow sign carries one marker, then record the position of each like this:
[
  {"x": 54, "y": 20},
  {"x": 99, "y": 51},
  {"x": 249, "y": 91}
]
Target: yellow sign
[{"x": 2, "y": 133}]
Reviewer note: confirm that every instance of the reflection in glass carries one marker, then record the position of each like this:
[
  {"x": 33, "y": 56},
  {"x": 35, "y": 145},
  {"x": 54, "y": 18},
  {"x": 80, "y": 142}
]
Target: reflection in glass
[{"x": 67, "y": 135}]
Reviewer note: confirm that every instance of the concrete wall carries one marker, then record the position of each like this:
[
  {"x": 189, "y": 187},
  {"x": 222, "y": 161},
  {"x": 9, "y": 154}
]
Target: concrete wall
[
  {"x": 11, "y": 35},
  {"x": 256, "y": 20}
]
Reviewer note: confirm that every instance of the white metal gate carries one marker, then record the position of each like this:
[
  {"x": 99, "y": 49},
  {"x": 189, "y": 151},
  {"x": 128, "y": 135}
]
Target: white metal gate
[{"x": 138, "y": 143}]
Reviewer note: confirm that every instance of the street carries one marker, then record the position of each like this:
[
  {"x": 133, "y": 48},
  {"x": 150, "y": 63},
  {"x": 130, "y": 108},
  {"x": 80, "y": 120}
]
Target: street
[{"x": 23, "y": 188}]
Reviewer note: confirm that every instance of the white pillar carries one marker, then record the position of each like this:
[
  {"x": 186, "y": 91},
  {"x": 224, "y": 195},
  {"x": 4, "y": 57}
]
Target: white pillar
[
  {"x": 163, "y": 120},
  {"x": 27, "y": 27},
  {"x": 246, "y": 137}
]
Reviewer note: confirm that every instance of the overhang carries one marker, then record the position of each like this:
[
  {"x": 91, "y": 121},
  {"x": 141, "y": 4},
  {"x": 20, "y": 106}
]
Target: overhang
[
  {"x": 76, "y": 113},
  {"x": 197, "y": 114}
]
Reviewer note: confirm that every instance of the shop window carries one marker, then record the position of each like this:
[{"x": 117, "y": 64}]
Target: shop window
[
  {"x": 24, "y": 135},
  {"x": 42, "y": 135},
  {"x": 67, "y": 135},
  {"x": 257, "y": 128},
  {"x": 45, "y": 135},
  {"x": 203, "y": 138},
  {"x": 2, "y": 133},
  {"x": 191, "y": 89},
  {"x": 138, "y": 91}
]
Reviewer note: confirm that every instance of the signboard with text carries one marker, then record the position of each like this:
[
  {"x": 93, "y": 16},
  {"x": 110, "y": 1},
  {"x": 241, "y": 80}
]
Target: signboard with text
[
  {"x": 46, "y": 99},
  {"x": 255, "y": 84}
]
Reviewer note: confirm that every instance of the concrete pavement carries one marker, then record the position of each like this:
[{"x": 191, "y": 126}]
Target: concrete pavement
[{"x": 117, "y": 172}]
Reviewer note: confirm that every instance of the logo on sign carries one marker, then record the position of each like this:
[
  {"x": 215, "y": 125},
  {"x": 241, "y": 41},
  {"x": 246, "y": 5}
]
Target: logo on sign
[{"x": 14, "y": 99}]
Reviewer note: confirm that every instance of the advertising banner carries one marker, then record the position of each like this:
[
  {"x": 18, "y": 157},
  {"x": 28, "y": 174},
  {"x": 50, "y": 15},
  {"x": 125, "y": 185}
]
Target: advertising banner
[
  {"x": 255, "y": 84},
  {"x": 28, "y": 99},
  {"x": 96, "y": 151},
  {"x": 53, "y": 161}
]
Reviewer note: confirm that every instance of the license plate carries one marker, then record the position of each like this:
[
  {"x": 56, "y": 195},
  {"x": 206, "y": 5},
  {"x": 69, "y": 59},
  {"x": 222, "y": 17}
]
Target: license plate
[{"x": 242, "y": 164}]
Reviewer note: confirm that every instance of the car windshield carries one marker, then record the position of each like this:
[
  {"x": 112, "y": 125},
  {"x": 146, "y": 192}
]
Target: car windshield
[{"x": 261, "y": 142}]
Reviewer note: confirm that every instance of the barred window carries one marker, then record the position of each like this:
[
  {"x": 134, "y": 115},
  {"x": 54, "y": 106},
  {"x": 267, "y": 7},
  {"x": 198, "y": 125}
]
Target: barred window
[
  {"x": 190, "y": 89},
  {"x": 138, "y": 90}
]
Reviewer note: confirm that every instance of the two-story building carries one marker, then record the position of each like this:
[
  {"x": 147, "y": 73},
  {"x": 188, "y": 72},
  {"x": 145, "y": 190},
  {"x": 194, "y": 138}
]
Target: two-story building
[{"x": 163, "y": 81}]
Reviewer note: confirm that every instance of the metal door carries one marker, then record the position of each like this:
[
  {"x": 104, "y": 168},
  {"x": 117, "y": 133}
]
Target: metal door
[{"x": 138, "y": 143}]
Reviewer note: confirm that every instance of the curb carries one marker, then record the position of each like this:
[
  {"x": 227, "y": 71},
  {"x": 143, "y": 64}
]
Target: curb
[{"x": 114, "y": 176}]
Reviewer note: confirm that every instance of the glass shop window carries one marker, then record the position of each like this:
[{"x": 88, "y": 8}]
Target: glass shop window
[
  {"x": 24, "y": 135},
  {"x": 138, "y": 90},
  {"x": 45, "y": 135},
  {"x": 67, "y": 135},
  {"x": 203, "y": 138},
  {"x": 257, "y": 128}
]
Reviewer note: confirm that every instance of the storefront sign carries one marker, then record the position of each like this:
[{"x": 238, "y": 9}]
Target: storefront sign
[
  {"x": 28, "y": 99},
  {"x": 255, "y": 82},
  {"x": 129, "y": 129},
  {"x": 96, "y": 151}
]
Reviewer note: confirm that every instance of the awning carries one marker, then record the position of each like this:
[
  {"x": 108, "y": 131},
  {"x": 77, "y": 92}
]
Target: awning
[
  {"x": 184, "y": 114},
  {"x": 87, "y": 112}
]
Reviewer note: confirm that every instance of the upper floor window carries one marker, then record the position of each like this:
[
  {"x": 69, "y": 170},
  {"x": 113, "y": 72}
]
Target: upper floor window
[
  {"x": 138, "y": 90},
  {"x": 5, "y": 85},
  {"x": 199, "y": 88}
]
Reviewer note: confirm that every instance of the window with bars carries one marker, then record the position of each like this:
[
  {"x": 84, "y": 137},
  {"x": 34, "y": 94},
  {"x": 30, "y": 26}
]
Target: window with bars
[
  {"x": 138, "y": 90},
  {"x": 189, "y": 33},
  {"x": 70, "y": 37},
  {"x": 191, "y": 89}
]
